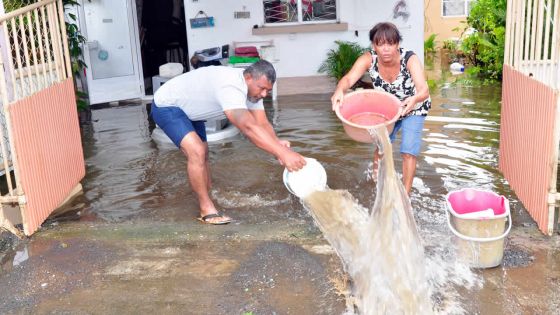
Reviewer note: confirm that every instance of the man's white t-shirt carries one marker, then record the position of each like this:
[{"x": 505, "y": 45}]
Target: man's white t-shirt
[{"x": 206, "y": 92}]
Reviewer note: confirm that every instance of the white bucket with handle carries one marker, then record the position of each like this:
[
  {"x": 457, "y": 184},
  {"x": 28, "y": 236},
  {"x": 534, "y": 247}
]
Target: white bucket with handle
[
  {"x": 478, "y": 219},
  {"x": 312, "y": 177}
]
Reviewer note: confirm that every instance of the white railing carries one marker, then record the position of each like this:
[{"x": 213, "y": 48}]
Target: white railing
[
  {"x": 36, "y": 55},
  {"x": 533, "y": 39}
]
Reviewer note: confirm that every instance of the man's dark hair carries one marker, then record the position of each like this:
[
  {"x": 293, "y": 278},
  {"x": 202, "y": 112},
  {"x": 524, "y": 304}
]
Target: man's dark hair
[
  {"x": 260, "y": 68},
  {"x": 385, "y": 32}
]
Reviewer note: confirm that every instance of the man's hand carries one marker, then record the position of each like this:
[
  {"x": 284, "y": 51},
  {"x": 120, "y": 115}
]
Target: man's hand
[
  {"x": 291, "y": 160},
  {"x": 284, "y": 143}
]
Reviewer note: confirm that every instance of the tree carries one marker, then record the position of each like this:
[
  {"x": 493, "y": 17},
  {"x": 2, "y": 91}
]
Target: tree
[{"x": 484, "y": 47}]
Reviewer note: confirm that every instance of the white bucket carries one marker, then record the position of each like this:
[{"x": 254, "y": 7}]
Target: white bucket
[
  {"x": 478, "y": 219},
  {"x": 312, "y": 177}
]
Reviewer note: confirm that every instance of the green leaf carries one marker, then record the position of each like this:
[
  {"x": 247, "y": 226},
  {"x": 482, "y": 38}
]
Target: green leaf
[
  {"x": 430, "y": 44},
  {"x": 340, "y": 60}
]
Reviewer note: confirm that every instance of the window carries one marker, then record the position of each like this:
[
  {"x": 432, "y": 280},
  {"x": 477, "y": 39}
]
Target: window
[
  {"x": 456, "y": 7},
  {"x": 299, "y": 11}
]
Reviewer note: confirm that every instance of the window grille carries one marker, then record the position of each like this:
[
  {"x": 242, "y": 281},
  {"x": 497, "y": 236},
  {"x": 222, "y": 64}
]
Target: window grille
[{"x": 299, "y": 11}]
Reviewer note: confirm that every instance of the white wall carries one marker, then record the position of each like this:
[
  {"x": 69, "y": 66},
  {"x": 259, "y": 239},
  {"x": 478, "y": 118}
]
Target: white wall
[{"x": 301, "y": 54}]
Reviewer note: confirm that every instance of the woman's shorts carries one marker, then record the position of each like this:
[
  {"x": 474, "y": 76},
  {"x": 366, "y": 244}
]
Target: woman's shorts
[
  {"x": 175, "y": 123},
  {"x": 411, "y": 138}
]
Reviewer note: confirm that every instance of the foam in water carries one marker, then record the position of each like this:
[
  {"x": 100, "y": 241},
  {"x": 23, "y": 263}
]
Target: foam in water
[
  {"x": 381, "y": 250},
  {"x": 235, "y": 199}
]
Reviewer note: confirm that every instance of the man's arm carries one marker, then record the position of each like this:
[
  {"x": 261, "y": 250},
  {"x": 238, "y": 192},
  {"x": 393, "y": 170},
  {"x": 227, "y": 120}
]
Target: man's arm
[
  {"x": 252, "y": 124},
  {"x": 260, "y": 116},
  {"x": 262, "y": 120}
]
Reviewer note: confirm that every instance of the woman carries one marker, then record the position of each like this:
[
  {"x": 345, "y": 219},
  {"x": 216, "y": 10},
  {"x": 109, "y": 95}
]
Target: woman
[{"x": 400, "y": 73}]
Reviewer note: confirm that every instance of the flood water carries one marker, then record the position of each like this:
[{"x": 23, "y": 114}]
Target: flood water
[
  {"x": 131, "y": 176},
  {"x": 131, "y": 179}
]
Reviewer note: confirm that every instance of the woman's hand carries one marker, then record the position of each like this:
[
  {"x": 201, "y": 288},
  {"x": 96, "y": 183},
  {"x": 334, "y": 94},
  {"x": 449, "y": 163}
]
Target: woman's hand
[
  {"x": 336, "y": 99},
  {"x": 408, "y": 105},
  {"x": 361, "y": 65}
]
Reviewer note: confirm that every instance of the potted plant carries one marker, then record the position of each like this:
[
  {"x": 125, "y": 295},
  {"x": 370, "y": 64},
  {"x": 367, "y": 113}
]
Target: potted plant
[{"x": 341, "y": 59}]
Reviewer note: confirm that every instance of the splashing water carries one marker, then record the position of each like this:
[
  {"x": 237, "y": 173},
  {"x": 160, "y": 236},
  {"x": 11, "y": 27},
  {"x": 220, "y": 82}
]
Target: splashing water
[{"x": 382, "y": 251}]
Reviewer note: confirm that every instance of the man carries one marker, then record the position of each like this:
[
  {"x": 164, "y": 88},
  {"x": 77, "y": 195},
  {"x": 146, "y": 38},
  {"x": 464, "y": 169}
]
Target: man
[{"x": 183, "y": 103}]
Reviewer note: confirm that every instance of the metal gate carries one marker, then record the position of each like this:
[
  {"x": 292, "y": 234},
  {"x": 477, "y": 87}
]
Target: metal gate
[
  {"x": 530, "y": 116},
  {"x": 40, "y": 146}
]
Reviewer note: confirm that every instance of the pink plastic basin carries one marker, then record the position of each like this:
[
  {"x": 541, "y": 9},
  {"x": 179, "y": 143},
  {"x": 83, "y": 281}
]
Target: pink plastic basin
[
  {"x": 470, "y": 200},
  {"x": 368, "y": 109}
]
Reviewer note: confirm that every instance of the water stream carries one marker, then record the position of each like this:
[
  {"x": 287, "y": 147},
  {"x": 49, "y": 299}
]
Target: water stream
[{"x": 381, "y": 249}]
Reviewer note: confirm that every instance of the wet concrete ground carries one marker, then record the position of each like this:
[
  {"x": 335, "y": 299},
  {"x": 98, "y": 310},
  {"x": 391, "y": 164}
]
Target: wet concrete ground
[
  {"x": 167, "y": 268},
  {"x": 130, "y": 244}
]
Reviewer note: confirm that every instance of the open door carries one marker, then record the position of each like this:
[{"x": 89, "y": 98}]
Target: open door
[{"x": 112, "y": 52}]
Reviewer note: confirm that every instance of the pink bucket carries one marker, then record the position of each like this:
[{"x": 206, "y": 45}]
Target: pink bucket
[
  {"x": 478, "y": 219},
  {"x": 468, "y": 201},
  {"x": 366, "y": 109}
]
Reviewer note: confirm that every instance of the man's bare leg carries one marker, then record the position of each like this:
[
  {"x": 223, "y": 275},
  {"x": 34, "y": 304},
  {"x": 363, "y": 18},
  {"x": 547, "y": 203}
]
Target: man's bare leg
[
  {"x": 208, "y": 174},
  {"x": 198, "y": 172},
  {"x": 409, "y": 169}
]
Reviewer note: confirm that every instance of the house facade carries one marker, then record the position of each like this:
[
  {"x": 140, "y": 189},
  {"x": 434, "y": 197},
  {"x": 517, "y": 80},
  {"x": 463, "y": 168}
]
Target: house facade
[
  {"x": 300, "y": 31},
  {"x": 303, "y": 39},
  {"x": 446, "y": 18}
]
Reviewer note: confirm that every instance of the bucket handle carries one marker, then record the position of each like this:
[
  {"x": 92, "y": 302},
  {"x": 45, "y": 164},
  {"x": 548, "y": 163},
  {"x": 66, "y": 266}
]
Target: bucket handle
[{"x": 478, "y": 239}]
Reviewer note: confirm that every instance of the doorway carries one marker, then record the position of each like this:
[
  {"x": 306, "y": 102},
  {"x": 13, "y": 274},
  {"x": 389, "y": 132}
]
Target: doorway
[
  {"x": 163, "y": 36},
  {"x": 113, "y": 70}
]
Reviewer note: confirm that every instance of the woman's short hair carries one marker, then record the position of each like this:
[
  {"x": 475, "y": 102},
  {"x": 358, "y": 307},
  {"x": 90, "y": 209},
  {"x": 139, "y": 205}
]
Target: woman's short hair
[{"x": 385, "y": 32}]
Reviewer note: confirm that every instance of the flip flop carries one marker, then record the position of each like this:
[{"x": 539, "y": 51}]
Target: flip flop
[{"x": 205, "y": 218}]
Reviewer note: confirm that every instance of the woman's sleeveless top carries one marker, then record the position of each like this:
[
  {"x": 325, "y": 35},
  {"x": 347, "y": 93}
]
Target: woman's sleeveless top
[{"x": 403, "y": 86}]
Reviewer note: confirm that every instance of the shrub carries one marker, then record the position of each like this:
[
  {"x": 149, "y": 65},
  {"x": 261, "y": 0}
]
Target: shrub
[
  {"x": 484, "y": 47},
  {"x": 450, "y": 45},
  {"x": 430, "y": 44},
  {"x": 341, "y": 59}
]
